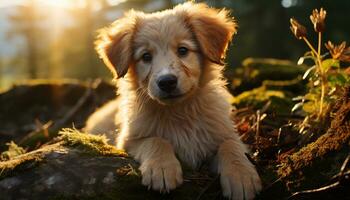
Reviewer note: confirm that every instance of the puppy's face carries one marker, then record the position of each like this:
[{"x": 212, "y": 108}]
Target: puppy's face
[
  {"x": 167, "y": 50},
  {"x": 167, "y": 58}
]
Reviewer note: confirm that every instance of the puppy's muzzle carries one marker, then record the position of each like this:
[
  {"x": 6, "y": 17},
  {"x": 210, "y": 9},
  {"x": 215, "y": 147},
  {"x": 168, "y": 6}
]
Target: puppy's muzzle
[{"x": 167, "y": 83}]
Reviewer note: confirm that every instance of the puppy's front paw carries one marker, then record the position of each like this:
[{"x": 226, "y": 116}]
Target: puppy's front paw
[
  {"x": 161, "y": 175},
  {"x": 240, "y": 181}
]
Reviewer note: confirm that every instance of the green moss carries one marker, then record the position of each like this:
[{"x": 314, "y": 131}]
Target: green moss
[
  {"x": 24, "y": 161},
  {"x": 256, "y": 95},
  {"x": 13, "y": 151},
  {"x": 255, "y": 71},
  {"x": 12, "y": 166},
  {"x": 95, "y": 144},
  {"x": 334, "y": 140}
]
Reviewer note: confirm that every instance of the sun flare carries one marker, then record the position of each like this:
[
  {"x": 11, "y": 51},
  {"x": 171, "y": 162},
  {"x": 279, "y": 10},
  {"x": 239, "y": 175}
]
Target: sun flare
[
  {"x": 63, "y": 3},
  {"x": 75, "y": 3}
]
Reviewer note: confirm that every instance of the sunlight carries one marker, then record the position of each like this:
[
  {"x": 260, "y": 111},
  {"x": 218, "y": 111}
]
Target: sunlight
[
  {"x": 63, "y": 4},
  {"x": 53, "y": 3},
  {"x": 60, "y": 3},
  {"x": 74, "y": 3}
]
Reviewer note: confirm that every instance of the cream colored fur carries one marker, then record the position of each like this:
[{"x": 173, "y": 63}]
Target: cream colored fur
[
  {"x": 103, "y": 121},
  {"x": 195, "y": 127}
]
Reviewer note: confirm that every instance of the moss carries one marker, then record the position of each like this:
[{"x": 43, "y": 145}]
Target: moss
[
  {"x": 13, "y": 151},
  {"x": 336, "y": 139},
  {"x": 256, "y": 95},
  {"x": 12, "y": 166},
  {"x": 255, "y": 71},
  {"x": 24, "y": 161},
  {"x": 95, "y": 144},
  {"x": 329, "y": 142},
  {"x": 128, "y": 170}
]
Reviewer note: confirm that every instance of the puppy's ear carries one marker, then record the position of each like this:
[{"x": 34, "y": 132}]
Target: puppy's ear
[
  {"x": 114, "y": 44},
  {"x": 212, "y": 28}
]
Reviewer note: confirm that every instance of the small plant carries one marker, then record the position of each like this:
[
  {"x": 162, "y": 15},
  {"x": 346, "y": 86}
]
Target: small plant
[{"x": 326, "y": 76}]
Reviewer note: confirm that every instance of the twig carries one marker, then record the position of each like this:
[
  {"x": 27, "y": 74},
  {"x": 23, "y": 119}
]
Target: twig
[
  {"x": 53, "y": 127},
  {"x": 257, "y": 133},
  {"x": 265, "y": 107},
  {"x": 322, "y": 189},
  {"x": 74, "y": 110},
  {"x": 42, "y": 127},
  {"x": 342, "y": 175},
  {"x": 280, "y": 132},
  {"x": 253, "y": 126},
  {"x": 344, "y": 165},
  {"x": 272, "y": 184}
]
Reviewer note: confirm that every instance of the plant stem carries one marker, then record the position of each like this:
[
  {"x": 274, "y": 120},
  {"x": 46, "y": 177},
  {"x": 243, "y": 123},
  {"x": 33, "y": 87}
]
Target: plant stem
[
  {"x": 323, "y": 88},
  {"x": 319, "y": 43},
  {"x": 323, "y": 83},
  {"x": 310, "y": 46}
]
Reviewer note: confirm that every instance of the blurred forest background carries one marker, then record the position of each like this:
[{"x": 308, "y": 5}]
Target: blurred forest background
[
  {"x": 54, "y": 38},
  {"x": 293, "y": 113}
]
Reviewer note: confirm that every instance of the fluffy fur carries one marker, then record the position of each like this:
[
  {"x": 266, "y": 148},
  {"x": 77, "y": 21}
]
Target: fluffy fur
[{"x": 194, "y": 124}]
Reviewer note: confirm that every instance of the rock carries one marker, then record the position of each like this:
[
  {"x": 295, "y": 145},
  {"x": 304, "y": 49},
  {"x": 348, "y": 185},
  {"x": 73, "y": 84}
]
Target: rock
[
  {"x": 83, "y": 166},
  {"x": 32, "y": 113}
]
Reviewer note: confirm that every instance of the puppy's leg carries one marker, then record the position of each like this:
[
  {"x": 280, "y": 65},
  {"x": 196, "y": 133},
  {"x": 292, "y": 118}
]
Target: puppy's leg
[
  {"x": 238, "y": 176},
  {"x": 160, "y": 169},
  {"x": 103, "y": 121}
]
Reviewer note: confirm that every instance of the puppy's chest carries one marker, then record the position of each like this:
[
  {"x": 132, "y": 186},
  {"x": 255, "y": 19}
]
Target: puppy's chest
[{"x": 194, "y": 139}]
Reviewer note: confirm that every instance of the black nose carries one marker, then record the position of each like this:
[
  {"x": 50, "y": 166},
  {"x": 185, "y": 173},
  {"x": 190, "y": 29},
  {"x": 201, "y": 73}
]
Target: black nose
[{"x": 167, "y": 83}]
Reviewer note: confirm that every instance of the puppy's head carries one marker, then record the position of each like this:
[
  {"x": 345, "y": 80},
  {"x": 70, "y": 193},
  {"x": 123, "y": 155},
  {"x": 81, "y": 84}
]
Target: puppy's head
[{"x": 167, "y": 51}]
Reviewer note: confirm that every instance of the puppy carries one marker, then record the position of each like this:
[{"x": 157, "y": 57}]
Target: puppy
[{"x": 173, "y": 104}]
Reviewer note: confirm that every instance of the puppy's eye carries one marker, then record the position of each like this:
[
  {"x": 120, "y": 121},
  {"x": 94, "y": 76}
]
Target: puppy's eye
[
  {"x": 147, "y": 57},
  {"x": 182, "y": 51}
]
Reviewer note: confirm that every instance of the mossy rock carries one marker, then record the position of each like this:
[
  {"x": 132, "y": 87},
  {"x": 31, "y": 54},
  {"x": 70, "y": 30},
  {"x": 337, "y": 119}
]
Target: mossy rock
[
  {"x": 316, "y": 163},
  {"x": 255, "y": 71},
  {"x": 280, "y": 101},
  {"x": 83, "y": 166}
]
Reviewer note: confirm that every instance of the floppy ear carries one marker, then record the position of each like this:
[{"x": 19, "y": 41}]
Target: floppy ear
[
  {"x": 114, "y": 44},
  {"x": 212, "y": 28}
]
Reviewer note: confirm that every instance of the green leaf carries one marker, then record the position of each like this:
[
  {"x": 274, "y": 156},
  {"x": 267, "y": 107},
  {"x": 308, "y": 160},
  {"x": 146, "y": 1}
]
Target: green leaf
[
  {"x": 337, "y": 79},
  {"x": 328, "y": 63},
  {"x": 310, "y": 107},
  {"x": 311, "y": 97}
]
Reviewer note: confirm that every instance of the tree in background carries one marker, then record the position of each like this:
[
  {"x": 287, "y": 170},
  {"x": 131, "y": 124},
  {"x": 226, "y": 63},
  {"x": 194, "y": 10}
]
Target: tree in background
[
  {"x": 26, "y": 24},
  {"x": 262, "y": 32},
  {"x": 1, "y": 71},
  {"x": 76, "y": 42}
]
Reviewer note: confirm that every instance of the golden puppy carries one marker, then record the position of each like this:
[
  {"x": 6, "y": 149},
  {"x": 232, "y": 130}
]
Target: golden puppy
[{"x": 173, "y": 102}]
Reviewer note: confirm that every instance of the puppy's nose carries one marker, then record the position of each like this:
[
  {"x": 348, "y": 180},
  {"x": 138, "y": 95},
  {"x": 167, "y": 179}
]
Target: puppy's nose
[{"x": 167, "y": 83}]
